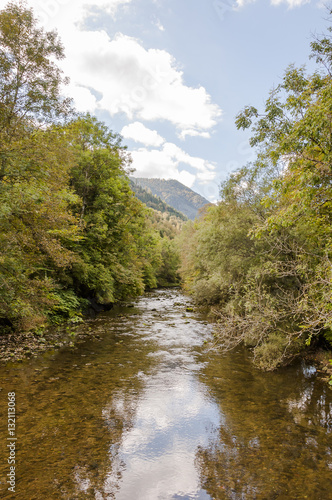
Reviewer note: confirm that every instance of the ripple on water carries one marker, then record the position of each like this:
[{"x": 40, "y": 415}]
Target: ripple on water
[{"x": 147, "y": 413}]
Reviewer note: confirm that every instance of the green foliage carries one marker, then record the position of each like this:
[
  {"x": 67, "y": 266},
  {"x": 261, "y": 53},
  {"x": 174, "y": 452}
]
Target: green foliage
[
  {"x": 262, "y": 257},
  {"x": 270, "y": 354},
  {"x": 167, "y": 273},
  {"x": 30, "y": 81},
  {"x": 35, "y": 218},
  {"x": 71, "y": 229},
  {"x": 66, "y": 305},
  {"x": 108, "y": 267}
]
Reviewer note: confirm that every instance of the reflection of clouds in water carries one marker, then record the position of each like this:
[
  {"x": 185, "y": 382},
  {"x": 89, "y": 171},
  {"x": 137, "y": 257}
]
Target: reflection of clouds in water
[
  {"x": 82, "y": 482},
  {"x": 171, "y": 475},
  {"x": 173, "y": 417},
  {"x": 308, "y": 370},
  {"x": 325, "y": 413},
  {"x": 171, "y": 400},
  {"x": 301, "y": 404},
  {"x": 154, "y": 457},
  {"x": 122, "y": 407}
]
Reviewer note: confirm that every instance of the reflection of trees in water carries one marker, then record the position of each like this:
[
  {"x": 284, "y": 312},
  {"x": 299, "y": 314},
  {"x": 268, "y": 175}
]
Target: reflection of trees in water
[
  {"x": 312, "y": 407},
  {"x": 274, "y": 440},
  {"x": 99, "y": 479},
  {"x": 74, "y": 414}
]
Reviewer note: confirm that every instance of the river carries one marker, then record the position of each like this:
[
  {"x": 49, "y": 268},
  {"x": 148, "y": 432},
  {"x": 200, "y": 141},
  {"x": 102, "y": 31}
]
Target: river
[{"x": 145, "y": 410}]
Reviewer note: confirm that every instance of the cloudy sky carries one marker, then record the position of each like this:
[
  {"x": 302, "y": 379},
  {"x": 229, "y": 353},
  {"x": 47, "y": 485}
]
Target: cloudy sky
[{"x": 171, "y": 75}]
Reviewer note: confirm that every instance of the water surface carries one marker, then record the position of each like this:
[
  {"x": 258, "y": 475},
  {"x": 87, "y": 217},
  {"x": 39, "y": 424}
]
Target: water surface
[{"x": 148, "y": 412}]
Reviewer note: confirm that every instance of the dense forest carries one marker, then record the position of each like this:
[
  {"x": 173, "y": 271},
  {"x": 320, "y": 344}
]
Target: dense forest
[
  {"x": 72, "y": 231},
  {"x": 262, "y": 257}
]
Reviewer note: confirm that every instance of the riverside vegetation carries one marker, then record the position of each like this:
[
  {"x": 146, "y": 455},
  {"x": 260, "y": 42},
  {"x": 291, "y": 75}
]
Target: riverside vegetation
[
  {"x": 73, "y": 233},
  {"x": 262, "y": 257}
]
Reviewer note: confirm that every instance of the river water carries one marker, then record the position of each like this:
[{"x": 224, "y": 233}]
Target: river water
[{"x": 148, "y": 411}]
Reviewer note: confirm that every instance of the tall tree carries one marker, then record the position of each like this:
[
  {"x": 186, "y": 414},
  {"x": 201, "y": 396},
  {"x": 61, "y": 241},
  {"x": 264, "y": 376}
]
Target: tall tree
[
  {"x": 114, "y": 260},
  {"x": 35, "y": 220},
  {"x": 263, "y": 256}
]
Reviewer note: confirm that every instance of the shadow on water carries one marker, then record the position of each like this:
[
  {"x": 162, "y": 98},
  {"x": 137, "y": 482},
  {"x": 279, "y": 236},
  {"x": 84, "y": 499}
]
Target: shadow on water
[
  {"x": 148, "y": 413},
  {"x": 274, "y": 439}
]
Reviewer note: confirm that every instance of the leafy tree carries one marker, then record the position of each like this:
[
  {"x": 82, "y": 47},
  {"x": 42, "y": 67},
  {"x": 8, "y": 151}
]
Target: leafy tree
[
  {"x": 167, "y": 273},
  {"x": 30, "y": 83},
  {"x": 295, "y": 131},
  {"x": 35, "y": 220},
  {"x": 263, "y": 255},
  {"x": 71, "y": 229},
  {"x": 116, "y": 254}
]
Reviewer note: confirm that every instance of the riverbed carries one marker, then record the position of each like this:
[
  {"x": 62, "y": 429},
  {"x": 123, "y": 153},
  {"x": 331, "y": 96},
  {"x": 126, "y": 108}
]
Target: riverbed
[{"x": 148, "y": 410}]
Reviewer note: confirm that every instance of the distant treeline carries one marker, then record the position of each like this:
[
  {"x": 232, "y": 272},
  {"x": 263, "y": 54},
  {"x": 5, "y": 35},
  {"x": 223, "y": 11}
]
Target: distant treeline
[{"x": 263, "y": 257}]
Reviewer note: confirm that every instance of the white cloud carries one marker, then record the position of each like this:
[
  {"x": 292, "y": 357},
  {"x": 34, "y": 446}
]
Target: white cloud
[
  {"x": 194, "y": 133},
  {"x": 144, "y": 84},
  {"x": 84, "y": 100},
  {"x": 139, "y": 133},
  {"x": 241, "y": 3},
  {"x": 64, "y": 13},
  {"x": 291, "y": 3},
  {"x": 166, "y": 163},
  {"x": 159, "y": 25}
]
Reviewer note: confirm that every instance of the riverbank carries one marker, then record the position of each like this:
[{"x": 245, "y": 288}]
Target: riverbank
[
  {"x": 20, "y": 346},
  {"x": 322, "y": 360},
  {"x": 17, "y": 347}
]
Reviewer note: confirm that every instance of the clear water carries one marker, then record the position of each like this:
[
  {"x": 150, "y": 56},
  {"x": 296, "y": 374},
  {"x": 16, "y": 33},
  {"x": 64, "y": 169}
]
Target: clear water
[{"x": 149, "y": 412}]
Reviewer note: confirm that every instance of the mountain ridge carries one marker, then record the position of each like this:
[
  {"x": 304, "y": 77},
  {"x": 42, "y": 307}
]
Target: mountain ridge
[
  {"x": 175, "y": 194},
  {"x": 153, "y": 201}
]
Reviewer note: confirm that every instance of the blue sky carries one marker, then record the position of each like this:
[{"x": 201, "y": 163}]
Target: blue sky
[{"x": 171, "y": 75}]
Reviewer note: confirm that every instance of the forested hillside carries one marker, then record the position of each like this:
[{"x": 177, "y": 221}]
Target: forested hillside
[
  {"x": 175, "y": 194},
  {"x": 153, "y": 201},
  {"x": 72, "y": 232},
  {"x": 262, "y": 257}
]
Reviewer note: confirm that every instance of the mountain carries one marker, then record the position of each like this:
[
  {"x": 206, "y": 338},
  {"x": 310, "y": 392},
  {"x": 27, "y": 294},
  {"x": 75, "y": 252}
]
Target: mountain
[
  {"x": 175, "y": 194},
  {"x": 153, "y": 201}
]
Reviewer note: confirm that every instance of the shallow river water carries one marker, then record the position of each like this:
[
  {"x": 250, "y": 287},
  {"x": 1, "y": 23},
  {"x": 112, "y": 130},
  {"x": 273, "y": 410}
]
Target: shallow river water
[{"x": 149, "y": 411}]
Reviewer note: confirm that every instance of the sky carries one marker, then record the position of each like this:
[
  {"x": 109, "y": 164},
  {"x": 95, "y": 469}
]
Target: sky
[{"x": 170, "y": 76}]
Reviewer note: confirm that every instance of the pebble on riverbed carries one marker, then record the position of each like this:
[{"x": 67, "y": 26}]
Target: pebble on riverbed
[{"x": 19, "y": 346}]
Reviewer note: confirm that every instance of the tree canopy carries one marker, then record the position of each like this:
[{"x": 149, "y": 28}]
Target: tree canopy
[
  {"x": 71, "y": 229},
  {"x": 263, "y": 255}
]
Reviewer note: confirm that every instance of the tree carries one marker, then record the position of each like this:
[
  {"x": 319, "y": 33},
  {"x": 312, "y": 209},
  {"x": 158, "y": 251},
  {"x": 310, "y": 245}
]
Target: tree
[
  {"x": 35, "y": 221},
  {"x": 117, "y": 253},
  {"x": 30, "y": 80},
  {"x": 295, "y": 131},
  {"x": 71, "y": 229},
  {"x": 263, "y": 256}
]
